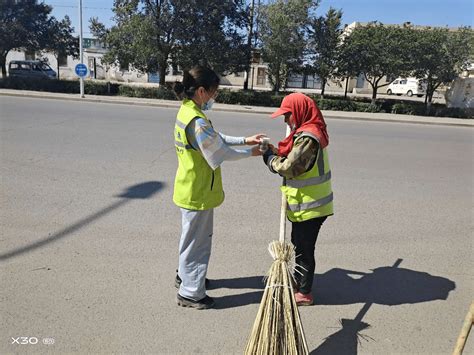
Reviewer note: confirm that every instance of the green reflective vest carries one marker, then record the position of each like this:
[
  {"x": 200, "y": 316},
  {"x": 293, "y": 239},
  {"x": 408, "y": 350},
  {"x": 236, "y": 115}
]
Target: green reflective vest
[
  {"x": 310, "y": 194},
  {"x": 196, "y": 186}
]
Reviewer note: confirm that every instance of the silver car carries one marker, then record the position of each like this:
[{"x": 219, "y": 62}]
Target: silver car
[{"x": 30, "y": 69}]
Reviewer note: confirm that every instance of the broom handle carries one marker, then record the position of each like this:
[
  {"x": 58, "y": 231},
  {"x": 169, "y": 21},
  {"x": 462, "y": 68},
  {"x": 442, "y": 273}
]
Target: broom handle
[
  {"x": 283, "y": 206},
  {"x": 283, "y": 217}
]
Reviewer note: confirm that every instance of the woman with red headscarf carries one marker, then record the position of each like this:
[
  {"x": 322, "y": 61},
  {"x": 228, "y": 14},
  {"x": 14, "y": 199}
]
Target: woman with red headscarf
[{"x": 302, "y": 159}]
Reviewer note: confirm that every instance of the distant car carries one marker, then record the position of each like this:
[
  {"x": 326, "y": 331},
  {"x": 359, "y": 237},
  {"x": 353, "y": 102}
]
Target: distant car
[
  {"x": 407, "y": 86},
  {"x": 30, "y": 69}
]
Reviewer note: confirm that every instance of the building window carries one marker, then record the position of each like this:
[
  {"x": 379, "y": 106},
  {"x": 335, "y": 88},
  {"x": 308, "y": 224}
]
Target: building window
[
  {"x": 296, "y": 81},
  {"x": 30, "y": 55},
  {"x": 360, "y": 81},
  {"x": 62, "y": 60},
  {"x": 313, "y": 82},
  {"x": 261, "y": 76}
]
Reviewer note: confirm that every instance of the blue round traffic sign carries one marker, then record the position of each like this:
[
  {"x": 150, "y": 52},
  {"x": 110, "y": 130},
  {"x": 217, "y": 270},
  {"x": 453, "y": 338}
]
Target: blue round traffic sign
[{"x": 81, "y": 70}]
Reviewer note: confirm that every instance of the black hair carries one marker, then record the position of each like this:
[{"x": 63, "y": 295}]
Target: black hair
[{"x": 193, "y": 79}]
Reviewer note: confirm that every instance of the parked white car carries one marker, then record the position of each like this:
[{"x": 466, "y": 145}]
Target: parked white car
[{"x": 407, "y": 86}]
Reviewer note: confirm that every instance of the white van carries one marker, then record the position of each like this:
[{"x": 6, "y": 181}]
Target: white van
[{"x": 407, "y": 86}]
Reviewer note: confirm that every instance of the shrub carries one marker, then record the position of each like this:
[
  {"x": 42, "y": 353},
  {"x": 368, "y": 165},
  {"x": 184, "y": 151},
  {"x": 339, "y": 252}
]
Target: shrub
[
  {"x": 100, "y": 88},
  {"x": 62, "y": 86},
  {"x": 144, "y": 92},
  {"x": 249, "y": 97},
  {"x": 36, "y": 84}
]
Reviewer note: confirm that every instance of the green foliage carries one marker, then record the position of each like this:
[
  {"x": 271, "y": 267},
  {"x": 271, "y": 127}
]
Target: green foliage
[
  {"x": 249, "y": 97},
  {"x": 100, "y": 88},
  {"x": 324, "y": 45},
  {"x": 23, "y": 25},
  {"x": 35, "y": 84},
  {"x": 282, "y": 33},
  {"x": 61, "y": 39},
  {"x": 213, "y": 34},
  {"x": 440, "y": 55},
  {"x": 62, "y": 86},
  {"x": 336, "y": 104},
  {"x": 149, "y": 93},
  {"x": 419, "y": 109},
  {"x": 378, "y": 51},
  {"x": 148, "y": 34}
]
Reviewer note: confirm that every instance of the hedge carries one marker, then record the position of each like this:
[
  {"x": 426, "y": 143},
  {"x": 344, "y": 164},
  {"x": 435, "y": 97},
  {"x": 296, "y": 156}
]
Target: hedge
[
  {"x": 149, "y": 93},
  {"x": 62, "y": 86},
  {"x": 239, "y": 97}
]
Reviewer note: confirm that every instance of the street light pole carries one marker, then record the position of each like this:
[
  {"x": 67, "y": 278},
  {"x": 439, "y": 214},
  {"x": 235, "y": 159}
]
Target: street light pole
[
  {"x": 249, "y": 43},
  {"x": 81, "y": 79}
]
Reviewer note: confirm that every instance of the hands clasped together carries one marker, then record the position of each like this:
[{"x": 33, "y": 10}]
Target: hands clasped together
[{"x": 257, "y": 140}]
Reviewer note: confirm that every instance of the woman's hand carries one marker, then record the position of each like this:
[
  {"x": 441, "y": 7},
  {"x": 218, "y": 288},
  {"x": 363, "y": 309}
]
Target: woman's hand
[
  {"x": 256, "y": 151},
  {"x": 252, "y": 140},
  {"x": 273, "y": 148}
]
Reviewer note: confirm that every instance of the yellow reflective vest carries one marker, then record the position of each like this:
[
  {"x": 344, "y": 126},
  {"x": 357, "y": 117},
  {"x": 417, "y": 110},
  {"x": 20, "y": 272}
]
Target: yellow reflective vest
[
  {"x": 310, "y": 194},
  {"x": 196, "y": 186}
]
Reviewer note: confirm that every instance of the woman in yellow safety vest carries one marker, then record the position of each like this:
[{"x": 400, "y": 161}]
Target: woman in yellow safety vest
[
  {"x": 302, "y": 159},
  {"x": 198, "y": 184}
]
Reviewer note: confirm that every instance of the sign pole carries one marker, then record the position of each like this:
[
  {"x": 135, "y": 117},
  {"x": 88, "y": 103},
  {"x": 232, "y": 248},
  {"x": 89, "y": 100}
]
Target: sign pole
[{"x": 81, "y": 79}]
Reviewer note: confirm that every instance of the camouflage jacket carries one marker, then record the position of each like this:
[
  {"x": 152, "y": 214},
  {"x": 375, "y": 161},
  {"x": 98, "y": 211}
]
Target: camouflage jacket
[{"x": 299, "y": 160}]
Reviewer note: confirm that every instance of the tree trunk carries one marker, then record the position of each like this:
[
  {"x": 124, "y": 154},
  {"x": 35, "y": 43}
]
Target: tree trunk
[
  {"x": 57, "y": 61},
  {"x": 162, "y": 73},
  {"x": 277, "y": 81},
  {"x": 323, "y": 87},
  {"x": 345, "y": 90},
  {"x": 246, "y": 81},
  {"x": 3, "y": 62},
  {"x": 428, "y": 97},
  {"x": 428, "y": 104},
  {"x": 374, "y": 93}
]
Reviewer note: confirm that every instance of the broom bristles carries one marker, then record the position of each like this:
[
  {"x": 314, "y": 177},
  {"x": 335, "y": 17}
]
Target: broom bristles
[{"x": 277, "y": 328}]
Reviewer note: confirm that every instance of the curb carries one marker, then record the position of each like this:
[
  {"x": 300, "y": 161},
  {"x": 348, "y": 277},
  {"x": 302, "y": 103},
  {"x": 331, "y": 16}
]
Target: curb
[{"x": 354, "y": 116}]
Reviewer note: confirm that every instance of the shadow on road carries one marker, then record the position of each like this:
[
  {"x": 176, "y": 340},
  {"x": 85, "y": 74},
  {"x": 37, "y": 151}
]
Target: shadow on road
[
  {"x": 140, "y": 191},
  {"x": 389, "y": 286}
]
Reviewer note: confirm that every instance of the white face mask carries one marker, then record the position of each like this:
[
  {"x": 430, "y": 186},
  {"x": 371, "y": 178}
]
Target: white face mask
[{"x": 207, "y": 105}]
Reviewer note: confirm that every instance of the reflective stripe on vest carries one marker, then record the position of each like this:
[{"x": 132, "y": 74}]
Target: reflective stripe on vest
[
  {"x": 313, "y": 204},
  {"x": 182, "y": 145},
  {"x": 180, "y": 124},
  {"x": 308, "y": 182}
]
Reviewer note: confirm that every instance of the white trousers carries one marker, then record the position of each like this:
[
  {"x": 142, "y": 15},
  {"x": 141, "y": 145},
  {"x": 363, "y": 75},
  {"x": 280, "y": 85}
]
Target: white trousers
[{"x": 194, "y": 252}]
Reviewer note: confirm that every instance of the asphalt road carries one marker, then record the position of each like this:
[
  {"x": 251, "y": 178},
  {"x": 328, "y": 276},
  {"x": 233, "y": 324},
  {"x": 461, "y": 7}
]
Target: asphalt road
[{"x": 89, "y": 235}]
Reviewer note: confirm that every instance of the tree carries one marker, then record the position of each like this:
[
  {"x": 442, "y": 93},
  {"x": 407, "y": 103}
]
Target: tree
[
  {"x": 23, "y": 25},
  {"x": 439, "y": 56},
  {"x": 324, "y": 44},
  {"x": 150, "y": 33},
  {"x": 380, "y": 51},
  {"x": 61, "y": 41},
  {"x": 347, "y": 67},
  {"x": 282, "y": 35}
]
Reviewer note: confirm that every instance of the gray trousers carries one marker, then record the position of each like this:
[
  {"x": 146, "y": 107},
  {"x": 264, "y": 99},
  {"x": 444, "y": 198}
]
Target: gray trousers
[{"x": 194, "y": 252}]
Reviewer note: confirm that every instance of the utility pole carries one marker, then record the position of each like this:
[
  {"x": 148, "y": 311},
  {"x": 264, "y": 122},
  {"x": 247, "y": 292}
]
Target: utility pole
[
  {"x": 80, "y": 47},
  {"x": 249, "y": 43}
]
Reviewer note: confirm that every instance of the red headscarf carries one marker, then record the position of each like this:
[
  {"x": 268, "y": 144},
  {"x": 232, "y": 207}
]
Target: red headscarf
[{"x": 306, "y": 118}]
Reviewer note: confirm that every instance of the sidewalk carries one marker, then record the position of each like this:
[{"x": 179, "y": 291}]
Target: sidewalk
[{"x": 362, "y": 116}]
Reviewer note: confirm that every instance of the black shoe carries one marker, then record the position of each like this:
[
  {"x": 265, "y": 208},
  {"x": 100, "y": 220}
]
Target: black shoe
[
  {"x": 205, "y": 303},
  {"x": 177, "y": 282}
]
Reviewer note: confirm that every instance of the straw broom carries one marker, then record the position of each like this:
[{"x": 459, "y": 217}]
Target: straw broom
[{"x": 277, "y": 328}]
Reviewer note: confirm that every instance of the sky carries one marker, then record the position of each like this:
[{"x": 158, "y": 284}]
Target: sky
[{"x": 450, "y": 13}]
